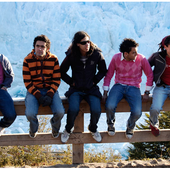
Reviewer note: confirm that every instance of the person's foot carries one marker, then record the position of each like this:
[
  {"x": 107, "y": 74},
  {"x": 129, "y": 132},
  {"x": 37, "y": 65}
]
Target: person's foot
[
  {"x": 129, "y": 133},
  {"x": 65, "y": 136},
  {"x": 154, "y": 130},
  {"x": 111, "y": 130},
  {"x": 55, "y": 134},
  {"x": 32, "y": 135},
  {"x": 2, "y": 130},
  {"x": 96, "y": 135}
]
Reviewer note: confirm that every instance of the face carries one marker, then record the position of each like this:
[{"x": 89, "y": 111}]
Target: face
[
  {"x": 40, "y": 49},
  {"x": 167, "y": 48},
  {"x": 84, "y": 45},
  {"x": 131, "y": 55}
]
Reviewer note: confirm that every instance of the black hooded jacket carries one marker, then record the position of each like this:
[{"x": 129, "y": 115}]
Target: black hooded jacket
[{"x": 84, "y": 76}]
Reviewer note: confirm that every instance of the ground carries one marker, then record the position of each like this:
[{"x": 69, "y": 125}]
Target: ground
[{"x": 154, "y": 163}]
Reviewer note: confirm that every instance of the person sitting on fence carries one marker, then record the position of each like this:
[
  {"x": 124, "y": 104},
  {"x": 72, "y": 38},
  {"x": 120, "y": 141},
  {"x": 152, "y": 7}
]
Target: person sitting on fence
[
  {"x": 127, "y": 66},
  {"x": 6, "y": 103},
  {"x": 161, "y": 62},
  {"x": 84, "y": 57},
  {"x": 42, "y": 77}
]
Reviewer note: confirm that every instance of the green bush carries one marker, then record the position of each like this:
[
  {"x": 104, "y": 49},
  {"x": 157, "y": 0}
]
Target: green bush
[{"x": 144, "y": 150}]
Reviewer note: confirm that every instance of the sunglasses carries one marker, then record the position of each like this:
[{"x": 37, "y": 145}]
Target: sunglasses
[{"x": 84, "y": 42}]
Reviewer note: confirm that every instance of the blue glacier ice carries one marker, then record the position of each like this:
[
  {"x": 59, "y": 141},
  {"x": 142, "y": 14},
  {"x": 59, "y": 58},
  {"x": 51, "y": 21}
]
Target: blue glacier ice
[{"x": 108, "y": 23}]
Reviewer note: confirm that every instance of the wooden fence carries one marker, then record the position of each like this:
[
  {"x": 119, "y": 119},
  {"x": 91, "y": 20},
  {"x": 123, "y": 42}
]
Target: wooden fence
[{"x": 78, "y": 138}]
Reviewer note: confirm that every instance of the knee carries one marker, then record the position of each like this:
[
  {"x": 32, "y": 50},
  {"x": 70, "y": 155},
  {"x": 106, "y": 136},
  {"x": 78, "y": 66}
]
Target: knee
[
  {"x": 96, "y": 111},
  {"x": 73, "y": 109},
  {"x": 11, "y": 117},
  {"x": 110, "y": 106},
  {"x": 137, "y": 113},
  {"x": 30, "y": 116},
  {"x": 59, "y": 114}
]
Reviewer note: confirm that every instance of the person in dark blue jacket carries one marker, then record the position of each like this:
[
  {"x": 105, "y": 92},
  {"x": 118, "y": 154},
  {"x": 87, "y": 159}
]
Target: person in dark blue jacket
[
  {"x": 6, "y": 102},
  {"x": 88, "y": 68}
]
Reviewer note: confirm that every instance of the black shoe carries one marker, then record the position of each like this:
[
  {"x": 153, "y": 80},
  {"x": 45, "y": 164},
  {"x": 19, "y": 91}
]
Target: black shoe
[
  {"x": 32, "y": 135},
  {"x": 129, "y": 133},
  {"x": 111, "y": 130},
  {"x": 55, "y": 134}
]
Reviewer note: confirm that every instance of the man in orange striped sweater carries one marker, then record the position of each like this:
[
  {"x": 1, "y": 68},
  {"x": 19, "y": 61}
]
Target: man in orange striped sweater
[{"x": 41, "y": 75}]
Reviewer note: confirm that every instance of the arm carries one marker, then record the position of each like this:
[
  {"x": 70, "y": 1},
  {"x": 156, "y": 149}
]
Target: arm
[
  {"x": 101, "y": 69},
  {"x": 28, "y": 82},
  {"x": 64, "y": 68},
  {"x": 148, "y": 72},
  {"x": 8, "y": 71},
  {"x": 108, "y": 78}
]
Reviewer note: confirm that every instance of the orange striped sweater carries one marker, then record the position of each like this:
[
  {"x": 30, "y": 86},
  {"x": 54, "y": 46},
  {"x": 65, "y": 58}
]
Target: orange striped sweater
[{"x": 41, "y": 74}]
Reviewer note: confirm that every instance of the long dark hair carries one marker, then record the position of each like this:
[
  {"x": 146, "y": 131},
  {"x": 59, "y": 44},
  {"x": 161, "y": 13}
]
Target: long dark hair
[{"x": 76, "y": 39}]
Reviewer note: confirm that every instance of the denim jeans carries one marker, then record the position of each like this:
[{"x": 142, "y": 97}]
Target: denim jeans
[
  {"x": 132, "y": 95},
  {"x": 160, "y": 94},
  {"x": 32, "y": 107},
  {"x": 7, "y": 109},
  {"x": 74, "y": 104}
]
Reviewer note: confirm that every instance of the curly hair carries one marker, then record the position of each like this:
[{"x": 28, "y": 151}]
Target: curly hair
[
  {"x": 76, "y": 39},
  {"x": 42, "y": 38},
  {"x": 127, "y": 45}
]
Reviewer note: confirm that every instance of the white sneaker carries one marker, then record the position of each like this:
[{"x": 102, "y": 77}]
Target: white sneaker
[
  {"x": 2, "y": 130},
  {"x": 65, "y": 136},
  {"x": 97, "y": 136}
]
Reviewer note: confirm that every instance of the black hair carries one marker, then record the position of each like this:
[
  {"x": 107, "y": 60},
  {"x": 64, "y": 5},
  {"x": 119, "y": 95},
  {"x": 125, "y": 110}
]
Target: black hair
[
  {"x": 127, "y": 44},
  {"x": 42, "y": 38}
]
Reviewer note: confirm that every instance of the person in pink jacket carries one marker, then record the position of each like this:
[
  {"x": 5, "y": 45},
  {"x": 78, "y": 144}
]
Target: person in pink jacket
[{"x": 127, "y": 67}]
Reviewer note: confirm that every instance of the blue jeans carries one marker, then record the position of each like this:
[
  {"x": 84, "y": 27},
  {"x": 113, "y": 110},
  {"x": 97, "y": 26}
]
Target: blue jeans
[
  {"x": 74, "y": 104},
  {"x": 7, "y": 109},
  {"x": 32, "y": 107},
  {"x": 160, "y": 94},
  {"x": 132, "y": 95}
]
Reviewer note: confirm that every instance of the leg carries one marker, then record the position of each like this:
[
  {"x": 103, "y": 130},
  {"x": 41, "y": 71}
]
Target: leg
[
  {"x": 74, "y": 104},
  {"x": 95, "y": 109},
  {"x": 159, "y": 96},
  {"x": 133, "y": 97},
  {"x": 58, "y": 112},
  {"x": 7, "y": 109},
  {"x": 115, "y": 96},
  {"x": 31, "y": 111}
]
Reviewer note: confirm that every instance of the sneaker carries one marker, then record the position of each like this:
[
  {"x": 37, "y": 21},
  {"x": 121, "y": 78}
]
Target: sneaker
[
  {"x": 55, "y": 134},
  {"x": 2, "y": 130},
  {"x": 65, "y": 136},
  {"x": 154, "y": 130},
  {"x": 129, "y": 133},
  {"x": 96, "y": 135},
  {"x": 32, "y": 135},
  {"x": 111, "y": 130}
]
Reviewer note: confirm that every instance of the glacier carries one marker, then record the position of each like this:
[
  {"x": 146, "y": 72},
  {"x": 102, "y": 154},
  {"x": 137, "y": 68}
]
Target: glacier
[{"x": 107, "y": 23}]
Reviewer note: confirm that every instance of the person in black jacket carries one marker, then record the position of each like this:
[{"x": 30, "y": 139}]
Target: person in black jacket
[
  {"x": 161, "y": 63},
  {"x": 84, "y": 58}
]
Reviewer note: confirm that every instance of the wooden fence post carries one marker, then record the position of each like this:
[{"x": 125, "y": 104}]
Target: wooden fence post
[{"x": 78, "y": 149}]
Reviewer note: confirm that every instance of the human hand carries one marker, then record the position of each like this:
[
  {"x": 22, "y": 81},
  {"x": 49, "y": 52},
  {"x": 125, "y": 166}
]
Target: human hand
[
  {"x": 41, "y": 100},
  {"x": 47, "y": 101}
]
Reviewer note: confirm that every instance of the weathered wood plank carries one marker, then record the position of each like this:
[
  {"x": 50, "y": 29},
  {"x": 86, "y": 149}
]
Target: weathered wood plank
[{"x": 81, "y": 138}]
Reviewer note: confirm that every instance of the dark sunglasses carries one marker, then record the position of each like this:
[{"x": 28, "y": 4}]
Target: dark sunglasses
[{"x": 84, "y": 42}]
